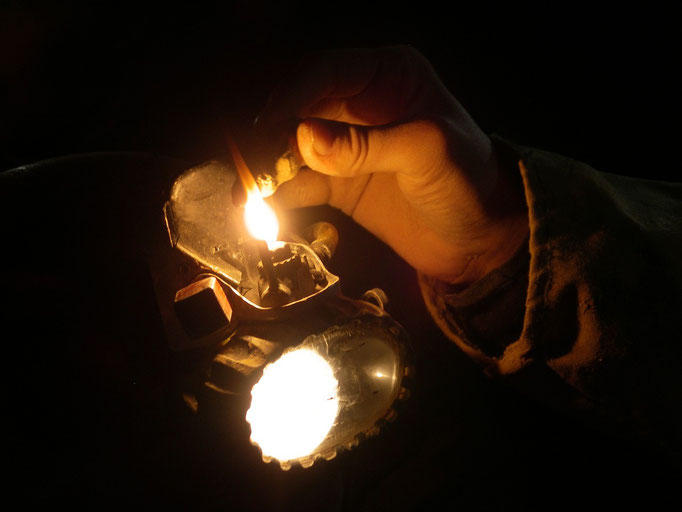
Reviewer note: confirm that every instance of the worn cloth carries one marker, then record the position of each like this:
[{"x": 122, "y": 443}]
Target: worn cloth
[{"x": 585, "y": 316}]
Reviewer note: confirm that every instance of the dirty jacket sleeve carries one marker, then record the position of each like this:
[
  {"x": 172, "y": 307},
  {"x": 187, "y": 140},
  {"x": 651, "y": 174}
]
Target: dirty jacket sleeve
[{"x": 586, "y": 316}]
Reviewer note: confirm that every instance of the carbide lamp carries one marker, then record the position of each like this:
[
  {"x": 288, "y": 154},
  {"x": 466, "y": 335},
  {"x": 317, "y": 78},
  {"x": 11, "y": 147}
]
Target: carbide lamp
[{"x": 322, "y": 371}]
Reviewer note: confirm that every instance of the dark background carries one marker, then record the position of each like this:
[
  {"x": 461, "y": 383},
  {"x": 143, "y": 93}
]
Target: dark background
[
  {"x": 92, "y": 388},
  {"x": 594, "y": 83}
]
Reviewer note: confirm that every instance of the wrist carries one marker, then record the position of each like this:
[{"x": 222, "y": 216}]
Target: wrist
[{"x": 506, "y": 226}]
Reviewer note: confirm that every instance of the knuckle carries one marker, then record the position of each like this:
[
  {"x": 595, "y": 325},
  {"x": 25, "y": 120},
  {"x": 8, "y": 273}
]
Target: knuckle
[
  {"x": 435, "y": 133},
  {"x": 359, "y": 149}
]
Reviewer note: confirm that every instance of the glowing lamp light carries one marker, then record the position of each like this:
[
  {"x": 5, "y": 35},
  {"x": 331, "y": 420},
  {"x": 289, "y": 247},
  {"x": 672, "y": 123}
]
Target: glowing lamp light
[
  {"x": 328, "y": 393},
  {"x": 294, "y": 405}
]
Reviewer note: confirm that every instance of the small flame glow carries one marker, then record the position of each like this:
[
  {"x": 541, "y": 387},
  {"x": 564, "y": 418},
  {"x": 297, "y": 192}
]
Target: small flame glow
[
  {"x": 293, "y": 405},
  {"x": 260, "y": 219}
]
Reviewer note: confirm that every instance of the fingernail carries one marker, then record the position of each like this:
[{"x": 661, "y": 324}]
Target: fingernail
[{"x": 323, "y": 137}]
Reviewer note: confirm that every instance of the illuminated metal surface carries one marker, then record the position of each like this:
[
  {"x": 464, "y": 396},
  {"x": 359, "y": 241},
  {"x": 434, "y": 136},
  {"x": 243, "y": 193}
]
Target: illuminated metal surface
[
  {"x": 330, "y": 387},
  {"x": 204, "y": 223}
]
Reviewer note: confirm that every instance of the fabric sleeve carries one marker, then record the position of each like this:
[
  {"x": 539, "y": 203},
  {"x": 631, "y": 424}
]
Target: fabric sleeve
[{"x": 585, "y": 316}]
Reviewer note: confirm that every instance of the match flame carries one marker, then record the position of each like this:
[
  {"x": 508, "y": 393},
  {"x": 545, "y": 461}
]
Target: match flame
[{"x": 260, "y": 219}]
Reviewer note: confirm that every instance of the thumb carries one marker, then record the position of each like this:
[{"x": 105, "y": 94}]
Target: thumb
[{"x": 345, "y": 150}]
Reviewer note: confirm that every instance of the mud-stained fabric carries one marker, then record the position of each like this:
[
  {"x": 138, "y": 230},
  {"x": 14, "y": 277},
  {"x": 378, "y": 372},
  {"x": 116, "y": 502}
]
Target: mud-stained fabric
[{"x": 586, "y": 316}]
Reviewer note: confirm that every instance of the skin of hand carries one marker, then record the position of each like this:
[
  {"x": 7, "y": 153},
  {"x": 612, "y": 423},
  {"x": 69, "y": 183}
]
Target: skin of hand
[{"x": 386, "y": 143}]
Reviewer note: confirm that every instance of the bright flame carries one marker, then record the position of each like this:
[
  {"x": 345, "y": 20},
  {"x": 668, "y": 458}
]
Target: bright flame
[
  {"x": 293, "y": 405},
  {"x": 260, "y": 219}
]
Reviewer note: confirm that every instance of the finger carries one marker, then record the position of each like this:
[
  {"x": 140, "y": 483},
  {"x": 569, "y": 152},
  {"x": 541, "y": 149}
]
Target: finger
[
  {"x": 339, "y": 149},
  {"x": 308, "y": 188}
]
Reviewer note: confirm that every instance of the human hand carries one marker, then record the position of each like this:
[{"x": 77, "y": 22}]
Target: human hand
[{"x": 387, "y": 144}]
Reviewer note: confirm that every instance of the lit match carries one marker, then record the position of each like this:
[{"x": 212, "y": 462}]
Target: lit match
[{"x": 261, "y": 221}]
